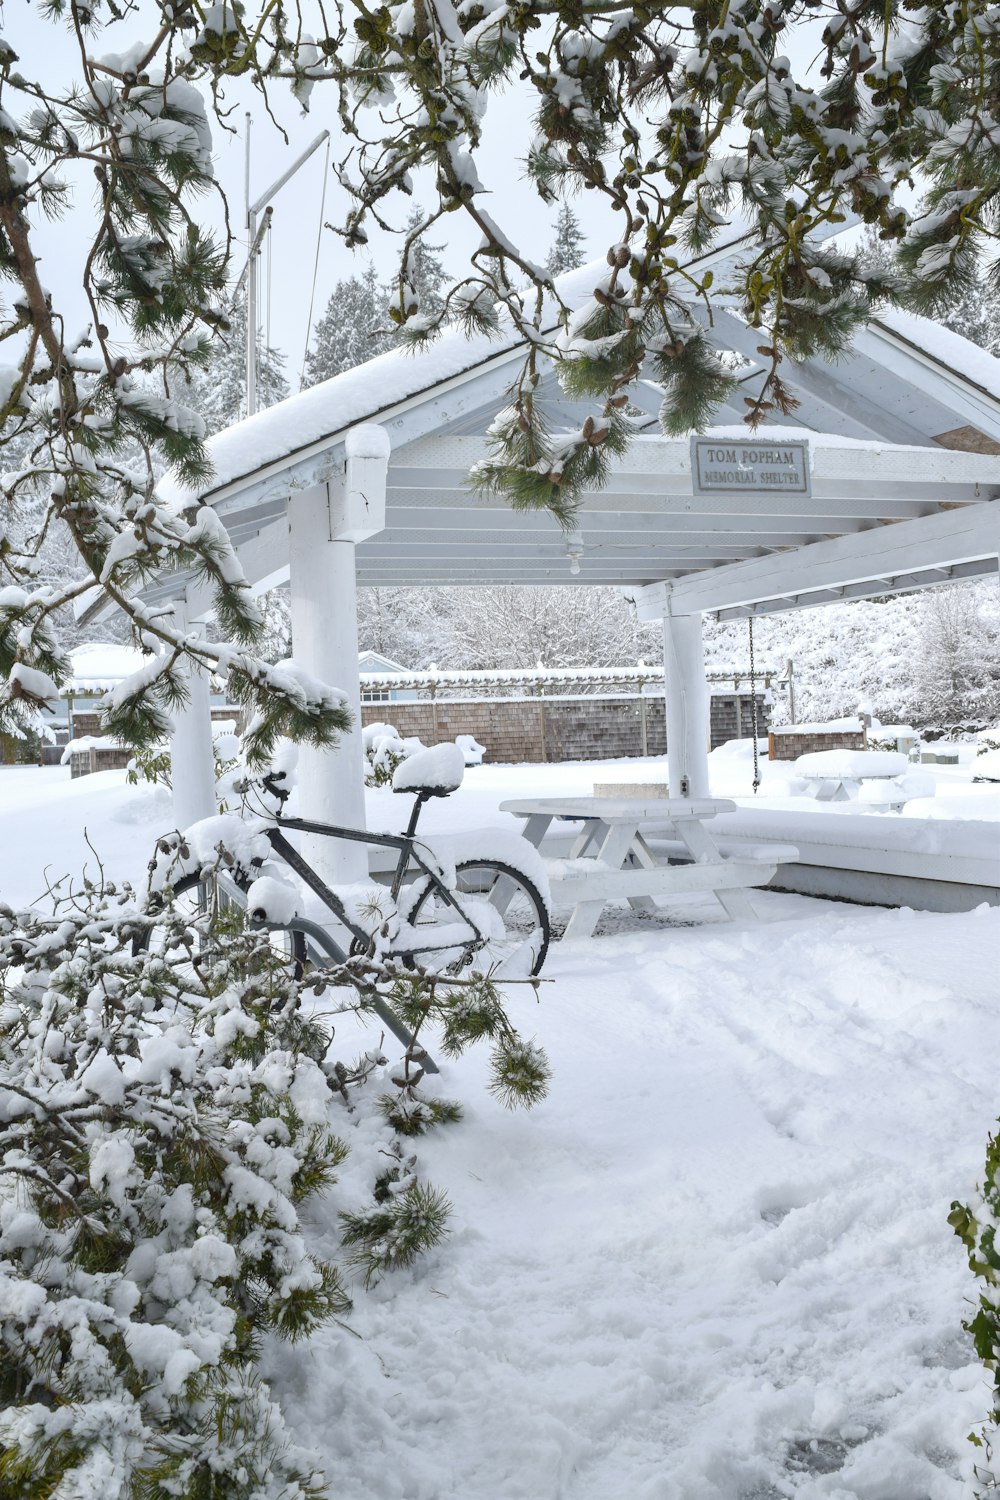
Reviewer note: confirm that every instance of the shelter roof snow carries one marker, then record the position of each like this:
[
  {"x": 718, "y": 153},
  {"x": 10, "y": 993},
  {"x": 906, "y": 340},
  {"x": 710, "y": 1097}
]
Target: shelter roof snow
[
  {"x": 950, "y": 350},
  {"x": 324, "y": 413}
]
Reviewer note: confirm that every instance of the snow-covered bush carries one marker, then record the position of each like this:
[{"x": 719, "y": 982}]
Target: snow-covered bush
[
  {"x": 163, "y": 1122},
  {"x": 153, "y": 765},
  {"x": 385, "y": 749},
  {"x": 168, "y": 1104},
  {"x": 977, "y": 1226}
]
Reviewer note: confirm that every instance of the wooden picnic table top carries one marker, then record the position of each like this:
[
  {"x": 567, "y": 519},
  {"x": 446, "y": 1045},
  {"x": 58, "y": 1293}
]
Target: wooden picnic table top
[{"x": 636, "y": 810}]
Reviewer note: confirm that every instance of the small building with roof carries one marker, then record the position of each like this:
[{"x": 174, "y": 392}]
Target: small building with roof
[{"x": 885, "y": 479}]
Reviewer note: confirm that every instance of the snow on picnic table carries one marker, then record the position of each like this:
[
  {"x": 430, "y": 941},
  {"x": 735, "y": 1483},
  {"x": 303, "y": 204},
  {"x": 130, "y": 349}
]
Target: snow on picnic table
[{"x": 714, "y": 1264}]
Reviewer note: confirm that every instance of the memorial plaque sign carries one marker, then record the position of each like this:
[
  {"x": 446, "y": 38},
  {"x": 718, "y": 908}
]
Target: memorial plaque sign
[{"x": 732, "y": 465}]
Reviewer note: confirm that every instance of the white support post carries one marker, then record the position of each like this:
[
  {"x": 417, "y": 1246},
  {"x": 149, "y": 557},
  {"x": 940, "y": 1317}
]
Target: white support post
[
  {"x": 687, "y": 705},
  {"x": 323, "y": 594},
  {"x": 192, "y": 763}
]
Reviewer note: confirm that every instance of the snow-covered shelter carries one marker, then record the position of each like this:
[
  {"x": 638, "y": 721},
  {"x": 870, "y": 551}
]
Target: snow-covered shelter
[{"x": 885, "y": 480}]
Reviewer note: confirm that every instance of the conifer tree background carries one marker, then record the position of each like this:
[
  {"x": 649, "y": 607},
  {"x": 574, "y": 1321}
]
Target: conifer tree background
[
  {"x": 971, "y": 306},
  {"x": 354, "y": 328},
  {"x": 423, "y": 269},
  {"x": 219, "y": 392},
  {"x": 569, "y": 244}
]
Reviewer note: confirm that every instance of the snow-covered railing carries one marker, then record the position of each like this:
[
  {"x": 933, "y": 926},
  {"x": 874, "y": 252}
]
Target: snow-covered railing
[{"x": 550, "y": 681}]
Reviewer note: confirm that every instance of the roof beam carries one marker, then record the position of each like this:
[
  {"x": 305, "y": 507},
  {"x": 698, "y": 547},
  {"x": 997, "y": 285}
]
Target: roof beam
[
  {"x": 513, "y": 572},
  {"x": 853, "y": 592},
  {"x": 646, "y": 559},
  {"x": 836, "y": 406},
  {"x": 435, "y": 506},
  {"x": 647, "y": 495},
  {"x": 914, "y": 548},
  {"x": 835, "y": 465},
  {"x": 605, "y": 538},
  {"x": 498, "y": 570}
]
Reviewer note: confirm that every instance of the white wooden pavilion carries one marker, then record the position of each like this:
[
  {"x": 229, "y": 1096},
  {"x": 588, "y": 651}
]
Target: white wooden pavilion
[{"x": 363, "y": 480}]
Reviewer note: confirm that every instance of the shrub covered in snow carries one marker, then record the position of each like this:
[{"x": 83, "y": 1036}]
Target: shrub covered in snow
[
  {"x": 153, "y": 764},
  {"x": 163, "y": 1122},
  {"x": 168, "y": 1104},
  {"x": 385, "y": 749},
  {"x": 977, "y": 1225}
]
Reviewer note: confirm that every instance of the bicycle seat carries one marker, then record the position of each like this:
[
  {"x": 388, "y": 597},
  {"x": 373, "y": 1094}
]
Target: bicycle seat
[{"x": 431, "y": 773}]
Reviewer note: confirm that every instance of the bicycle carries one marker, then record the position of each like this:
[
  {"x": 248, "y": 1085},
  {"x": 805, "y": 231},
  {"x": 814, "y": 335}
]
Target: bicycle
[{"x": 495, "y": 918}]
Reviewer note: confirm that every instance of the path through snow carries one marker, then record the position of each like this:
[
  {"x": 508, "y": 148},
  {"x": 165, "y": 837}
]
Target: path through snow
[{"x": 715, "y": 1264}]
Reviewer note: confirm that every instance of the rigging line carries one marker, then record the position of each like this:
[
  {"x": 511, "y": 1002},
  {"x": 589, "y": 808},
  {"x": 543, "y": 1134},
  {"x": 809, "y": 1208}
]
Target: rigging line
[
  {"x": 267, "y": 318},
  {"x": 312, "y": 292}
]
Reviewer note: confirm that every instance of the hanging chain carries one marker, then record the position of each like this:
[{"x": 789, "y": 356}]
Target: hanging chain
[{"x": 753, "y": 708}]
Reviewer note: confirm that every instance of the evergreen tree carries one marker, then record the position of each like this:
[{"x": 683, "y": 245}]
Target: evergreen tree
[
  {"x": 976, "y": 315},
  {"x": 957, "y": 674},
  {"x": 411, "y": 626},
  {"x": 219, "y": 393},
  {"x": 102, "y": 409},
  {"x": 511, "y": 626},
  {"x": 568, "y": 248},
  {"x": 972, "y": 307},
  {"x": 352, "y": 330}
]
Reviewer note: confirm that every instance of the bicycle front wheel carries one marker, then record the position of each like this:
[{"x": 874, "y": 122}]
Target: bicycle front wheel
[
  {"x": 199, "y": 912},
  {"x": 506, "y": 908}
]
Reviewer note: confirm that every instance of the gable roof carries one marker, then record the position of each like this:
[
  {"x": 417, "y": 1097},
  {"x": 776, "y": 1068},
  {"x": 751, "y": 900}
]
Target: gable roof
[
  {"x": 284, "y": 437},
  {"x": 374, "y": 661},
  {"x": 904, "y": 427}
]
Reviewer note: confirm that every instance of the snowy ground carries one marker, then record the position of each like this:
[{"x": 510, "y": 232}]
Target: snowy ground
[{"x": 715, "y": 1263}]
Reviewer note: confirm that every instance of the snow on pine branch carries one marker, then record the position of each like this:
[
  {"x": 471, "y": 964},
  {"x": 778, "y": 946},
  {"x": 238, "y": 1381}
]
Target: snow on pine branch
[{"x": 92, "y": 418}]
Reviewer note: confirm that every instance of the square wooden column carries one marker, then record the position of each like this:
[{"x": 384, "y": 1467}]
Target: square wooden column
[{"x": 325, "y": 522}]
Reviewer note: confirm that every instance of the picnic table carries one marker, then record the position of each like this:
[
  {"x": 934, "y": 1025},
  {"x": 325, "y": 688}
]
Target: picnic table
[
  {"x": 838, "y": 775},
  {"x": 612, "y": 857}
]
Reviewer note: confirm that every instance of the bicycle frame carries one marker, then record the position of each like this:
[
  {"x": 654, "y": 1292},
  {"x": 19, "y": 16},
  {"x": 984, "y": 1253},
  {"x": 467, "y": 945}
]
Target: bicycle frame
[{"x": 405, "y": 843}]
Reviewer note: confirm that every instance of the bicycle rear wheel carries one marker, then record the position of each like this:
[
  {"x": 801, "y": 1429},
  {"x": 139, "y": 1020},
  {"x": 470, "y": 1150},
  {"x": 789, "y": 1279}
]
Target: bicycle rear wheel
[{"x": 506, "y": 908}]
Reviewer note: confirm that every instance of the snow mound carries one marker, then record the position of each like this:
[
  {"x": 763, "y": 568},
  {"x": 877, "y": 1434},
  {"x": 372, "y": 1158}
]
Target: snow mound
[{"x": 987, "y": 767}]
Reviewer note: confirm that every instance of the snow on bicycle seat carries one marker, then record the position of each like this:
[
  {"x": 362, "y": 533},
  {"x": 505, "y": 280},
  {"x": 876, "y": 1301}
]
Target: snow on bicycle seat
[{"x": 435, "y": 772}]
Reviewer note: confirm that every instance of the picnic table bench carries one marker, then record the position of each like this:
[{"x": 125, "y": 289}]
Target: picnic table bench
[{"x": 613, "y": 858}]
